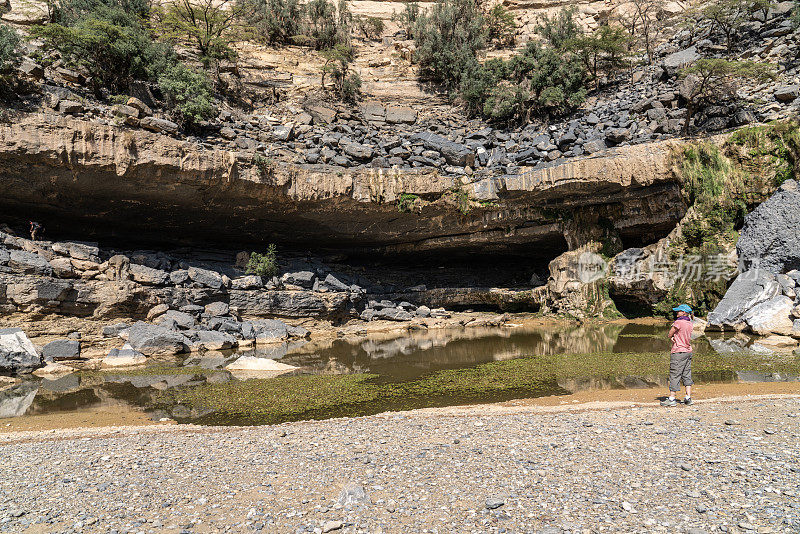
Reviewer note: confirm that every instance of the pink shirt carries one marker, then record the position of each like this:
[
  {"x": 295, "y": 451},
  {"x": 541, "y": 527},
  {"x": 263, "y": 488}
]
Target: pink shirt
[{"x": 682, "y": 339}]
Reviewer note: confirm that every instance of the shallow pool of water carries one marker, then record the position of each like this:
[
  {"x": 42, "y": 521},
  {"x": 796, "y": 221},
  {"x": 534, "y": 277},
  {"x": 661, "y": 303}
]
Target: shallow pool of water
[{"x": 391, "y": 371}]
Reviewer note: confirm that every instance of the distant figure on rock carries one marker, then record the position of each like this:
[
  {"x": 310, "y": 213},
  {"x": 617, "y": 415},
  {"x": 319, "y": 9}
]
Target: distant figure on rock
[
  {"x": 36, "y": 229},
  {"x": 680, "y": 358}
]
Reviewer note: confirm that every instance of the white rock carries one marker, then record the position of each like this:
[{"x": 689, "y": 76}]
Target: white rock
[{"x": 771, "y": 317}]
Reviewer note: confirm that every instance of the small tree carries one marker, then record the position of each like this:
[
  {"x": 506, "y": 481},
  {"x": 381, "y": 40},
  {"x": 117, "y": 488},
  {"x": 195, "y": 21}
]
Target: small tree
[
  {"x": 728, "y": 16},
  {"x": 265, "y": 265},
  {"x": 188, "y": 92},
  {"x": 274, "y": 21},
  {"x": 500, "y": 26},
  {"x": 560, "y": 30},
  {"x": 9, "y": 49},
  {"x": 371, "y": 27},
  {"x": 206, "y": 23},
  {"x": 407, "y": 18},
  {"x": 448, "y": 38},
  {"x": 710, "y": 81},
  {"x": 347, "y": 85},
  {"x": 643, "y": 23},
  {"x": 603, "y": 50},
  {"x": 329, "y": 24}
]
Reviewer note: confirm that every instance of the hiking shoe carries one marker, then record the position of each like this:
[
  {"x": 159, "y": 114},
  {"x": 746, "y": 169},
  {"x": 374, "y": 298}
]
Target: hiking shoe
[
  {"x": 688, "y": 401},
  {"x": 669, "y": 402}
]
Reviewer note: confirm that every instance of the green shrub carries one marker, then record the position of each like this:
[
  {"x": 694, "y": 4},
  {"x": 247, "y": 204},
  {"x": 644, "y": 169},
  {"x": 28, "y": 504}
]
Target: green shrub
[
  {"x": 540, "y": 82},
  {"x": 500, "y": 26},
  {"x": 448, "y": 38},
  {"x": 208, "y": 24},
  {"x": 265, "y": 265},
  {"x": 329, "y": 24},
  {"x": 274, "y": 21},
  {"x": 69, "y": 12},
  {"x": 9, "y": 49},
  {"x": 347, "y": 85},
  {"x": 188, "y": 92},
  {"x": 110, "y": 44},
  {"x": 407, "y": 18},
  {"x": 370, "y": 27},
  {"x": 559, "y": 30},
  {"x": 405, "y": 202}
]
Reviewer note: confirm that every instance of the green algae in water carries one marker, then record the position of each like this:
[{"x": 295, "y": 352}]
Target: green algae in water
[{"x": 294, "y": 397}]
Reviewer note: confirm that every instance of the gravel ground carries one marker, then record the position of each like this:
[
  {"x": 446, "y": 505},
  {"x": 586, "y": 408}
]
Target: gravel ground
[{"x": 712, "y": 467}]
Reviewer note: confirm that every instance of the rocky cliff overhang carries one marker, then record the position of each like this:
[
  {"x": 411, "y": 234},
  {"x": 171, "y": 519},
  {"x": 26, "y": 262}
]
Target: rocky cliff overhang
[{"x": 112, "y": 181}]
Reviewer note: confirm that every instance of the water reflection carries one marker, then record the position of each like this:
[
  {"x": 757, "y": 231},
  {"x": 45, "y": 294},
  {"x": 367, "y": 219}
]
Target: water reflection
[{"x": 393, "y": 356}]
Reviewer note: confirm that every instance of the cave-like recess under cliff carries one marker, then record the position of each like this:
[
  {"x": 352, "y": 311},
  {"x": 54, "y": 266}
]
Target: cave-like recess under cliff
[{"x": 125, "y": 187}]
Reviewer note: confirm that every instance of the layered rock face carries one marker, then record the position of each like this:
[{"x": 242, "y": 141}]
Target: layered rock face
[{"x": 111, "y": 182}]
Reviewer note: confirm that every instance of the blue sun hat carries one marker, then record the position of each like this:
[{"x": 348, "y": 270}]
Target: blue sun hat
[{"x": 683, "y": 308}]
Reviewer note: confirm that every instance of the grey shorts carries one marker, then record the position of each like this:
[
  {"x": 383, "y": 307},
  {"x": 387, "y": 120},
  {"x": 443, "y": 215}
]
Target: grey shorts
[{"x": 680, "y": 368}]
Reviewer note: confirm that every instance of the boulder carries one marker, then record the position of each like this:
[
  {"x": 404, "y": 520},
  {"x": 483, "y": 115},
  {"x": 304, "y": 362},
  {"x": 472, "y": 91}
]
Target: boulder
[
  {"x": 17, "y": 353},
  {"x": 78, "y": 251},
  {"x": 254, "y": 363},
  {"x": 62, "y": 349},
  {"x": 205, "y": 277},
  {"x": 70, "y": 106},
  {"x": 147, "y": 275},
  {"x": 321, "y": 114},
  {"x": 152, "y": 340},
  {"x": 247, "y": 282},
  {"x": 393, "y": 314},
  {"x": 771, "y": 316},
  {"x": 358, "y": 151},
  {"x": 217, "y": 309},
  {"x": 29, "y": 263},
  {"x": 211, "y": 340},
  {"x": 770, "y": 237},
  {"x": 179, "y": 277},
  {"x": 159, "y": 125},
  {"x": 114, "y": 330},
  {"x": 748, "y": 290},
  {"x": 124, "y": 357},
  {"x": 400, "y": 114},
  {"x": 157, "y": 311},
  {"x": 298, "y": 332},
  {"x": 336, "y": 284},
  {"x": 618, "y": 135},
  {"x": 270, "y": 331},
  {"x": 300, "y": 278},
  {"x": 455, "y": 153},
  {"x": 121, "y": 110},
  {"x": 180, "y": 319},
  {"x": 373, "y": 111},
  {"x": 787, "y": 93},
  {"x": 680, "y": 59},
  {"x": 594, "y": 145},
  {"x": 137, "y": 104}
]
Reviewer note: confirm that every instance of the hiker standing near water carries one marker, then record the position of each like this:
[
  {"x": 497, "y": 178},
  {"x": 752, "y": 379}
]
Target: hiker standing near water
[{"x": 680, "y": 358}]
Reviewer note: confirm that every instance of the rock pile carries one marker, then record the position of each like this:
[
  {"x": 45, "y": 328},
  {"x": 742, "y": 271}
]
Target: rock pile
[{"x": 646, "y": 104}]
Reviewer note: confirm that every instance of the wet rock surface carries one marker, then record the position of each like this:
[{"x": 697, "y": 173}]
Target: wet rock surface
[{"x": 733, "y": 468}]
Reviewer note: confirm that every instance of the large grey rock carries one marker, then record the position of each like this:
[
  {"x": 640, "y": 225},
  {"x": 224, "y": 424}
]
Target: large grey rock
[
  {"x": 180, "y": 319},
  {"x": 124, "y": 357},
  {"x": 148, "y": 276},
  {"x": 205, "y": 277},
  {"x": 771, "y": 317},
  {"x": 400, "y": 114},
  {"x": 770, "y": 237},
  {"x": 787, "y": 93},
  {"x": 79, "y": 251},
  {"x": 4, "y": 255},
  {"x": 681, "y": 58},
  {"x": 212, "y": 340},
  {"x": 29, "y": 263},
  {"x": 749, "y": 289},
  {"x": 217, "y": 309},
  {"x": 152, "y": 340},
  {"x": 61, "y": 349},
  {"x": 17, "y": 353},
  {"x": 393, "y": 314},
  {"x": 300, "y": 278},
  {"x": 454, "y": 153},
  {"x": 159, "y": 125},
  {"x": 270, "y": 331},
  {"x": 247, "y": 282}
]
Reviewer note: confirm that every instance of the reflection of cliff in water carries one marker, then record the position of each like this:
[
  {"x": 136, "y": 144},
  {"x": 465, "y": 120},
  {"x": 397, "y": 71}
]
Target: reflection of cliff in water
[{"x": 573, "y": 385}]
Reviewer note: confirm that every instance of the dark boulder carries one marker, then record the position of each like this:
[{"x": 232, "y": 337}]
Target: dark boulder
[
  {"x": 455, "y": 153},
  {"x": 61, "y": 349},
  {"x": 770, "y": 237}
]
